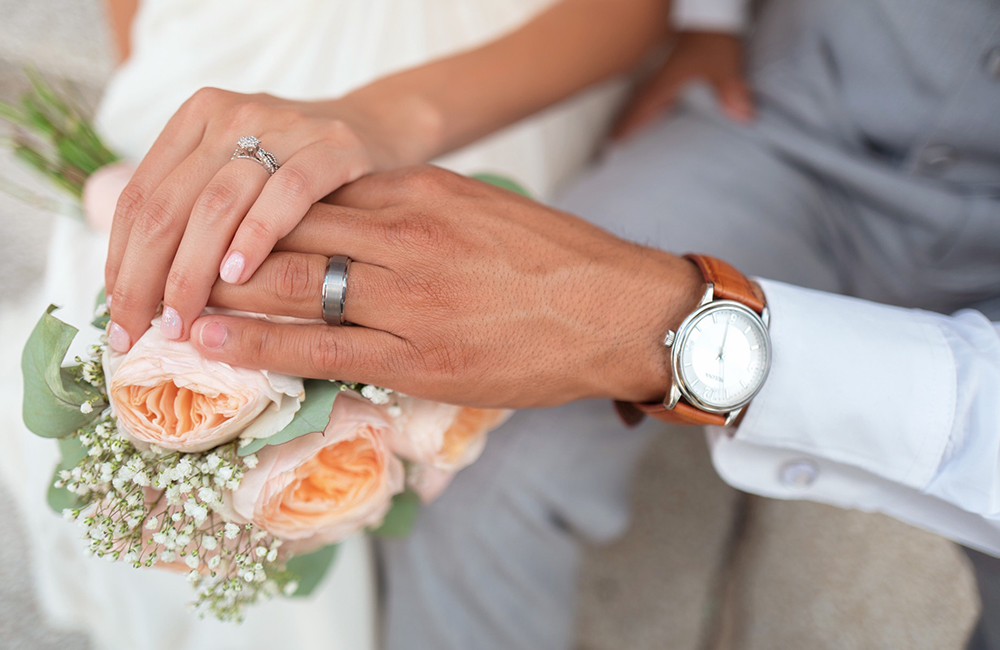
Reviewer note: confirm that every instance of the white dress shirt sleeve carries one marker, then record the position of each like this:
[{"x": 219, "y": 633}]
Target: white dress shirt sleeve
[
  {"x": 878, "y": 408},
  {"x": 710, "y": 15}
]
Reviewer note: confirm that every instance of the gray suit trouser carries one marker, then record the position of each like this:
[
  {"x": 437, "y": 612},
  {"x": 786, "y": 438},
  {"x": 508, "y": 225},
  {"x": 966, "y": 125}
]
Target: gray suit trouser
[{"x": 839, "y": 185}]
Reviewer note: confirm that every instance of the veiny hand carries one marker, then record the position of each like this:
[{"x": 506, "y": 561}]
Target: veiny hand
[
  {"x": 460, "y": 292},
  {"x": 715, "y": 57},
  {"x": 189, "y": 213}
]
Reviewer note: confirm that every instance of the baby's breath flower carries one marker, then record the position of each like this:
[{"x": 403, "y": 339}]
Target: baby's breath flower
[
  {"x": 231, "y": 531},
  {"x": 376, "y": 395}
]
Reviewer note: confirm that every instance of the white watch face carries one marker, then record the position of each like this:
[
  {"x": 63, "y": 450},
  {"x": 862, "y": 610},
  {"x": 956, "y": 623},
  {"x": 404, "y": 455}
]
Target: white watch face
[{"x": 724, "y": 356}]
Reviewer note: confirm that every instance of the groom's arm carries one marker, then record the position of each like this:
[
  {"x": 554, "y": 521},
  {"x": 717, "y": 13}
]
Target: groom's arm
[
  {"x": 879, "y": 408},
  {"x": 471, "y": 295},
  {"x": 438, "y": 107}
]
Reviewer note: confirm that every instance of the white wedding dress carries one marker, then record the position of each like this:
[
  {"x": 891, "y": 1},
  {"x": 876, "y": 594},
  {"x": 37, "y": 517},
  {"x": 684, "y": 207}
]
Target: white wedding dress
[{"x": 301, "y": 49}]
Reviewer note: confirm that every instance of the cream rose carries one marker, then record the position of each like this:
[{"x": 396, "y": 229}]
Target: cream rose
[
  {"x": 323, "y": 487},
  {"x": 440, "y": 435},
  {"x": 165, "y": 393}
]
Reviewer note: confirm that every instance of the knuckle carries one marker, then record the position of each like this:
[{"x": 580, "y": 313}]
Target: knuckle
[
  {"x": 179, "y": 285},
  {"x": 246, "y": 112},
  {"x": 215, "y": 201},
  {"x": 337, "y": 132},
  {"x": 329, "y": 355},
  {"x": 416, "y": 232},
  {"x": 293, "y": 277},
  {"x": 257, "y": 343},
  {"x": 443, "y": 359},
  {"x": 154, "y": 220},
  {"x": 130, "y": 201},
  {"x": 206, "y": 98},
  {"x": 258, "y": 230},
  {"x": 125, "y": 304},
  {"x": 292, "y": 182},
  {"x": 424, "y": 178}
]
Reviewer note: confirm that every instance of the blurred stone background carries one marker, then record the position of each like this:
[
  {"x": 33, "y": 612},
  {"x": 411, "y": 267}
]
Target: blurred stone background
[{"x": 703, "y": 568}]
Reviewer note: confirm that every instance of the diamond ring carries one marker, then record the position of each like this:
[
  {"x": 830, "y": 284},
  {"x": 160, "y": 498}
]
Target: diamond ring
[{"x": 249, "y": 147}]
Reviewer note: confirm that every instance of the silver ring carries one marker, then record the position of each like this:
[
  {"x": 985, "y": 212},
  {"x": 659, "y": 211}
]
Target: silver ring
[
  {"x": 248, "y": 147},
  {"x": 335, "y": 289}
]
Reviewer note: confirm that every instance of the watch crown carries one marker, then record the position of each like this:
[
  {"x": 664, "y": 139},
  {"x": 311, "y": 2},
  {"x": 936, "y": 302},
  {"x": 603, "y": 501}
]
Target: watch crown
[{"x": 668, "y": 340}]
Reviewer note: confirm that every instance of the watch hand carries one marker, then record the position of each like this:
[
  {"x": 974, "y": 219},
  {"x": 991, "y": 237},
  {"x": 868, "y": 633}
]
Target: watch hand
[{"x": 725, "y": 335}]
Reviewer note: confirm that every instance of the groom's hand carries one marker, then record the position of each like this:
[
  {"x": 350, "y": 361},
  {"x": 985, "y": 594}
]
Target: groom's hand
[{"x": 461, "y": 292}]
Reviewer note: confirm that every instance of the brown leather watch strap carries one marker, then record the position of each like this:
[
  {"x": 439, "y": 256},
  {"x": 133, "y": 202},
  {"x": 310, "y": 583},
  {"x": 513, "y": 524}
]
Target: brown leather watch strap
[
  {"x": 729, "y": 284},
  {"x": 683, "y": 413}
]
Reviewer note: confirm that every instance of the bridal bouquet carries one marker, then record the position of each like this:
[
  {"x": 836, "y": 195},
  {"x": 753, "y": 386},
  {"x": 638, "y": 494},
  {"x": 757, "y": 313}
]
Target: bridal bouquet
[{"x": 244, "y": 480}]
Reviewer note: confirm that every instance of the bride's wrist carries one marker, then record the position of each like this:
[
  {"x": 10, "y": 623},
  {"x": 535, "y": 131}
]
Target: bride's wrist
[{"x": 400, "y": 129}]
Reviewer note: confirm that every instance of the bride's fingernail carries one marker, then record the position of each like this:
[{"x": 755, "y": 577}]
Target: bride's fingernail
[
  {"x": 213, "y": 335},
  {"x": 118, "y": 338},
  {"x": 171, "y": 324},
  {"x": 232, "y": 268}
]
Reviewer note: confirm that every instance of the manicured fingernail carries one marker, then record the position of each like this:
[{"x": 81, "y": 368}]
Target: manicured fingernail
[
  {"x": 213, "y": 335},
  {"x": 232, "y": 268},
  {"x": 171, "y": 324},
  {"x": 118, "y": 338}
]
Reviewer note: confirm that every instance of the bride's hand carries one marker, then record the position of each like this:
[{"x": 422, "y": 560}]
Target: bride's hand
[{"x": 190, "y": 214}]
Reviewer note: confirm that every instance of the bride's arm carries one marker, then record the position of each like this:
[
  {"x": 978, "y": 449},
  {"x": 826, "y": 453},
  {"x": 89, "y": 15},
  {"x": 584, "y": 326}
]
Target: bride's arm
[
  {"x": 120, "y": 14},
  {"x": 437, "y": 107}
]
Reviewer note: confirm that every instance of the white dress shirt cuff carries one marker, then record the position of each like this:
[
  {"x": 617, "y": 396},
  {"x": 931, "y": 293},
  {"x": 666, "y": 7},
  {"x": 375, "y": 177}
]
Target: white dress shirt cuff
[
  {"x": 710, "y": 15},
  {"x": 845, "y": 385}
]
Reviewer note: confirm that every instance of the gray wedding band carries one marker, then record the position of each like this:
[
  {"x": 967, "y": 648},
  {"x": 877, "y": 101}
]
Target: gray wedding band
[
  {"x": 248, "y": 147},
  {"x": 335, "y": 289}
]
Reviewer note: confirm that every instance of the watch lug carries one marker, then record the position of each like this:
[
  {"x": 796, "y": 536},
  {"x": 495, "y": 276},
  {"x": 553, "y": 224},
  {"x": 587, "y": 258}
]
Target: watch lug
[
  {"x": 668, "y": 340},
  {"x": 673, "y": 396},
  {"x": 732, "y": 416},
  {"x": 766, "y": 316},
  {"x": 709, "y": 294}
]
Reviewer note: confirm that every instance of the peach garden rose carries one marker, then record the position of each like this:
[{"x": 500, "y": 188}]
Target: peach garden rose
[
  {"x": 441, "y": 436},
  {"x": 164, "y": 392},
  {"x": 323, "y": 487}
]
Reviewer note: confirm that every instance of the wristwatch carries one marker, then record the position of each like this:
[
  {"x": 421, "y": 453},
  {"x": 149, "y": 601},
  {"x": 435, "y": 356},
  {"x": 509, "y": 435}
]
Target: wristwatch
[{"x": 720, "y": 355}]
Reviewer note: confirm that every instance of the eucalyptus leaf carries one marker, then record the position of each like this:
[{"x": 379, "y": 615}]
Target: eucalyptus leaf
[
  {"x": 402, "y": 516},
  {"x": 52, "y": 393},
  {"x": 312, "y": 416},
  {"x": 101, "y": 322},
  {"x": 309, "y": 570},
  {"x": 60, "y": 499},
  {"x": 502, "y": 182}
]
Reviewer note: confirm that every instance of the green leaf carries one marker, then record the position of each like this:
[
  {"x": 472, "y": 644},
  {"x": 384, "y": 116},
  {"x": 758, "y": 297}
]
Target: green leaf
[
  {"x": 313, "y": 416},
  {"x": 52, "y": 394},
  {"x": 402, "y": 516},
  {"x": 502, "y": 182},
  {"x": 60, "y": 498},
  {"x": 309, "y": 570},
  {"x": 101, "y": 322}
]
